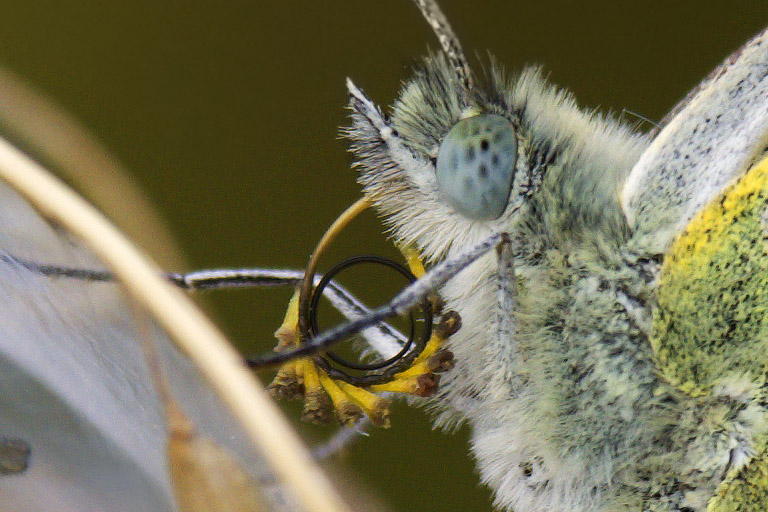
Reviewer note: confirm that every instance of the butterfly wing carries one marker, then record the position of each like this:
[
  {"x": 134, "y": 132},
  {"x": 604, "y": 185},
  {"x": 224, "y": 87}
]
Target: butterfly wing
[
  {"x": 710, "y": 329},
  {"x": 75, "y": 388},
  {"x": 697, "y": 198},
  {"x": 710, "y": 141}
]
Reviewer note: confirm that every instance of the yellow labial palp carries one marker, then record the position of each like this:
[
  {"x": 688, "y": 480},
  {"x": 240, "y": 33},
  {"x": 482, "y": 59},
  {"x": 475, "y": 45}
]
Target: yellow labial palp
[{"x": 325, "y": 395}]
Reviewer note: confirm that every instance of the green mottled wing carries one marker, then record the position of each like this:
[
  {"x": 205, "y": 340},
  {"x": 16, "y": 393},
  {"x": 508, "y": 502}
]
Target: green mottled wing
[
  {"x": 747, "y": 491},
  {"x": 711, "y": 322},
  {"x": 696, "y": 197},
  {"x": 710, "y": 327}
]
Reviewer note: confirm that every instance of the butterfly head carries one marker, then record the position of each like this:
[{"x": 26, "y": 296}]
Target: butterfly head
[{"x": 451, "y": 157}]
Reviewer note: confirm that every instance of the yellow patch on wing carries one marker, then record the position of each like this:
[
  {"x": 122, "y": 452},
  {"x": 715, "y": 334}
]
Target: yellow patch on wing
[{"x": 712, "y": 319}]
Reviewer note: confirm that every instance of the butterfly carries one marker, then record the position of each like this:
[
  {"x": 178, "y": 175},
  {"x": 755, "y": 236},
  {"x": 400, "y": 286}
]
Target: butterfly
[
  {"x": 609, "y": 361},
  {"x": 364, "y": 85}
]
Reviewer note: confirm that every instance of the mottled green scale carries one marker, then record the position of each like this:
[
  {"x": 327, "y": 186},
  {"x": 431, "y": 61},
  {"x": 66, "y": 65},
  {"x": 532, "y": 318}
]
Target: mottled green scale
[
  {"x": 747, "y": 491},
  {"x": 711, "y": 319},
  {"x": 711, "y": 322}
]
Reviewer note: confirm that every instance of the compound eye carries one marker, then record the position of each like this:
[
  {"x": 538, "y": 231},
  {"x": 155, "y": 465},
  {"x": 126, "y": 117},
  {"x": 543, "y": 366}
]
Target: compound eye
[{"x": 476, "y": 166}]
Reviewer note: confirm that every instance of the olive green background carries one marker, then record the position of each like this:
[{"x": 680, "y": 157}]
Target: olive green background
[{"x": 227, "y": 114}]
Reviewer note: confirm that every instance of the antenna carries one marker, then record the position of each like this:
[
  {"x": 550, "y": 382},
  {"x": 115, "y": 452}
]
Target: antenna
[{"x": 448, "y": 40}]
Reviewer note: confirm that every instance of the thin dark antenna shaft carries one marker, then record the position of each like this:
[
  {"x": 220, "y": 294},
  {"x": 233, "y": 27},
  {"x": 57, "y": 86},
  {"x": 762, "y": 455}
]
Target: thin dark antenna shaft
[{"x": 448, "y": 40}]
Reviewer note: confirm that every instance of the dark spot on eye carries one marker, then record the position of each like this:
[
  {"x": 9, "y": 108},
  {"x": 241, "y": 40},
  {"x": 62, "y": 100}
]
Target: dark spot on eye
[
  {"x": 497, "y": 136},
  {"x": 470, "y": 153},
  {"x": 482, "y": 171},
  {"x": 495, "y": 159},
  {"x": 484, "y": 145}
]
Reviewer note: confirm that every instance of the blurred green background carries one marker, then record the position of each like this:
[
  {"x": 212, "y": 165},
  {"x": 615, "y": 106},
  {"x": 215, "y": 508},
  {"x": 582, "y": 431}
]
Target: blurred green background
[{"x": 227, "y": 115}]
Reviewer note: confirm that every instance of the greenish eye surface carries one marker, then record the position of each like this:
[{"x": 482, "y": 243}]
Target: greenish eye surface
[{"x": 476, "y": 166}]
